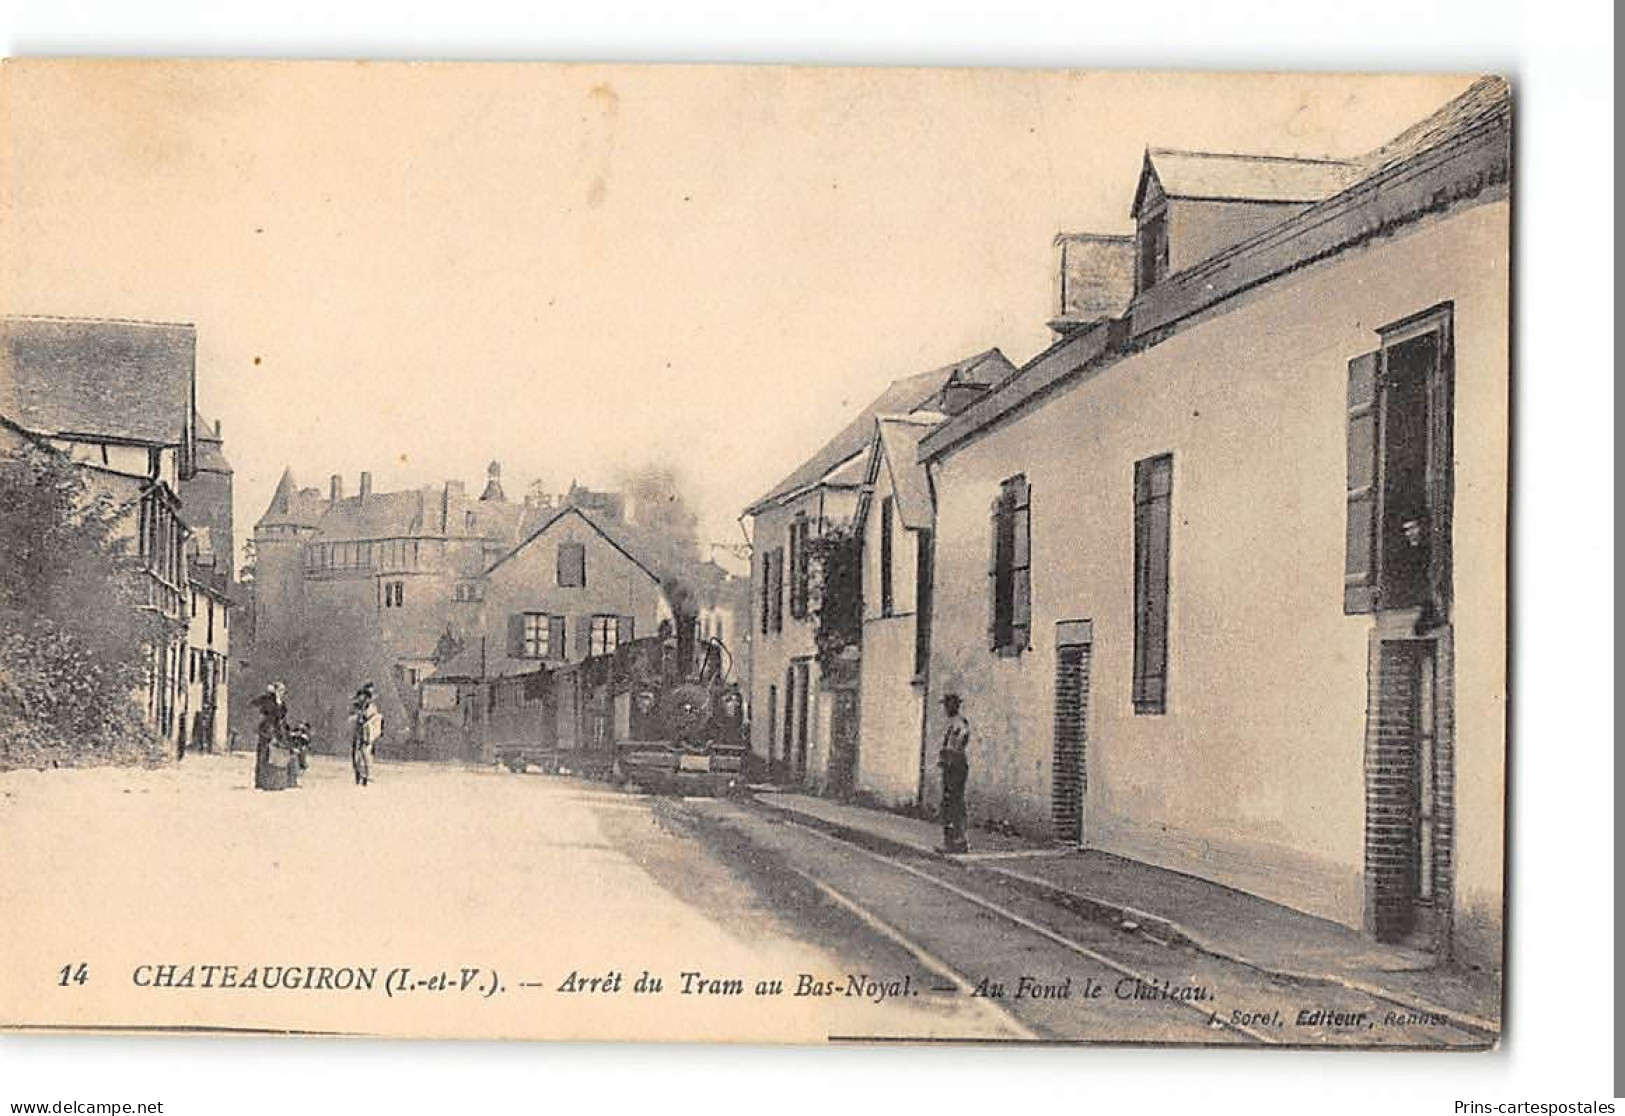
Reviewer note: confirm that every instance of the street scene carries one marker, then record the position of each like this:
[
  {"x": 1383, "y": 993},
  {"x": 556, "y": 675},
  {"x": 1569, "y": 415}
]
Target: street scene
[
  {"x": 657, "y": 554},
  {"x": 524, "y": 873}
]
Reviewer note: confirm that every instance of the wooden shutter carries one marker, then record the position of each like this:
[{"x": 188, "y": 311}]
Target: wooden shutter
[
  {"x": 777, "y": 603},
  {"x": 1441, "y": 469},
  {"x": 624, "y": 628},
  {"x": 555, "y": 637},
  {"x": 995, "y": 523},
  {"x": 887, "y": 604},
  {"x": 583, "y": 646},
  {"x": 1364, "y": 441},
  {"x": 1153, "y": 516},
  {"x": 1021, "y": 583},
  {"x": 765, "y": 571},
  {"x": 924, "y": 555},
  {"x": 516, "y": 635}
]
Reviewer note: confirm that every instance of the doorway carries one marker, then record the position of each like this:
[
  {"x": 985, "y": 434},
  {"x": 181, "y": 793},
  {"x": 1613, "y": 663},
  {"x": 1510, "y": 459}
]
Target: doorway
[
  {"x": 1069, "y": 778},
  {"x": 1409, "y": 790},
  {"x": 802, "y": 674}
]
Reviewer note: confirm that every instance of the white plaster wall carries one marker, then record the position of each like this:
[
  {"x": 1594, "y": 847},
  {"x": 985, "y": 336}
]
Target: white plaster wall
[
  {"x": 890, "y": 699},
  {"x": 1254, "y": 776}
]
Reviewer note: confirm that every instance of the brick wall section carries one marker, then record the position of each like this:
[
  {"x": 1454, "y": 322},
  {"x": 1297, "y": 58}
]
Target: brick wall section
[
  {"x": 1392, "y": 785},
  {"x": 1390, "y": 792},
  {"x": 1071, "y": 741}
]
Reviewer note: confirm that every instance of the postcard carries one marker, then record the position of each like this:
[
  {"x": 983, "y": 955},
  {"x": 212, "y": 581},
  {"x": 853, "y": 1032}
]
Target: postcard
[{"x": 753, "y": 554}]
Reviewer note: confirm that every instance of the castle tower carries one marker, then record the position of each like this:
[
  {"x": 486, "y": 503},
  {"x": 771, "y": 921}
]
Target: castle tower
[
  {"x": 493, "y": 482},
  {"x": 279, "y": 555}
]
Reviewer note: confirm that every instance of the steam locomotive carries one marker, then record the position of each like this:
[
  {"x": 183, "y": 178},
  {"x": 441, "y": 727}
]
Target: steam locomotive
[{"x": 678, "y": 723}]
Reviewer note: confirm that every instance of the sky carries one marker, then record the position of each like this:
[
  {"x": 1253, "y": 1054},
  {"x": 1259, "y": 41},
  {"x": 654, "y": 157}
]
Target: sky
[{"x": 577, "y": 270}]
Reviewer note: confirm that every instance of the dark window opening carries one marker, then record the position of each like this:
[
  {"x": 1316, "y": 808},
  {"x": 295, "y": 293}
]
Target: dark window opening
[
  {"x": 572, "y": 565},
  {"x": 1010, "y": 572},
  {"x": 1407, "y": 552},
  {"x": 1153, "y": 251}
]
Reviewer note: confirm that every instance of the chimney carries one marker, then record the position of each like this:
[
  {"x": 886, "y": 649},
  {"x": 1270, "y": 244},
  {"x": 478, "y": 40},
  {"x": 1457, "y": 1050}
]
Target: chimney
[
  {"x": 217, "y": 434},
  {"x": 335, "y": 488},
  {"x": 1094, "y": 279},
  {"x": 366, "y": 485}
]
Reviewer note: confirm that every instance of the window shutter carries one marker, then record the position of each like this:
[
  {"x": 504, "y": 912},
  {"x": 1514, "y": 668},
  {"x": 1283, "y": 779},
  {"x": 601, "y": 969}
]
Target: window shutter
[
  {"x": 1021, "y": 587},
  {"x": 624, "y": 629},
  {"x": 555, "y": 637},
  {"x": 765, "y": 571},
  {"x": 516, "y": 635},
  {"x": 583, "y": 647},
  {"x": 994, "y": 515},
  {"x": 778, "y": 589},
  {"x": 1364, "y": 439},
  {"x": 1441, "y": 473}
]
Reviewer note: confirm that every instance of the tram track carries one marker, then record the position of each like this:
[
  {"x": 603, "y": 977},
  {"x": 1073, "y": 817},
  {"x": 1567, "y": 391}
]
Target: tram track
[{"x": 915, "y": 902}]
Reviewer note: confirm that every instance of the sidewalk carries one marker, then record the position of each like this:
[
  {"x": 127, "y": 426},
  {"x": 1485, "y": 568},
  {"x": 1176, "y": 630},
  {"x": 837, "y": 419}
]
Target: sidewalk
[{"x": 1170, "y": 905}]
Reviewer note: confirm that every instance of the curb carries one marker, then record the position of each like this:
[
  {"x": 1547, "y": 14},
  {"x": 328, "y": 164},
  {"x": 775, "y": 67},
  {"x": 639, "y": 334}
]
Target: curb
[{"x": 1097, "y": 909}]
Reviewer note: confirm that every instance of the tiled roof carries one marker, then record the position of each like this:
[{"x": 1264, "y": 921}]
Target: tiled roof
[
  {"x": 1228, "y": 177},
  {"x": 466, "y": 666},
  {"x": 901, "y": 397},
  {"x": 211, "y": 454},
  {"x": 1464, "y": 147},
  {"x": 117, "y": 379},
  {"x": 293, "y": 506},
  {"x": 1487, "y": 97}
]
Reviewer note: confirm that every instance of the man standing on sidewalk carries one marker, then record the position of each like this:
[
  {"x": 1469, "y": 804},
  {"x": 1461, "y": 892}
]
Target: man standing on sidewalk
[{"x": 955, "y": 764}]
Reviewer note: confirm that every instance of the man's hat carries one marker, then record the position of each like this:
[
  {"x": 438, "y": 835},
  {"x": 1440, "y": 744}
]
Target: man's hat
[{"x": 950, "y": 697}]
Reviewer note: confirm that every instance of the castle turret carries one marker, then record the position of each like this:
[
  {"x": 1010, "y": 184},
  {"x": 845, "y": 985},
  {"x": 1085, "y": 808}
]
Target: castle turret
[{"x": 493, "y": 482}]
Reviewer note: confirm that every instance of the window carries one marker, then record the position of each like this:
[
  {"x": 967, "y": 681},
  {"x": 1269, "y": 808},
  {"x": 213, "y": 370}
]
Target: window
[
  {"x": 468, "y": 591},
  {"x": 1010, "y": 568},
  {"x": 394, "y": 593},
  {"x": 536, "y": 635},
  {"x": 1152, "y": 250},
  {"x": 1153, "y": 500},
  {"x": 1400, "y": 478},
  {"x": 608, "y": 633},
  {"x": 572, "y": 561},
  {"x": 799, "y": 576},
  {"x": 886, "y": 602}
]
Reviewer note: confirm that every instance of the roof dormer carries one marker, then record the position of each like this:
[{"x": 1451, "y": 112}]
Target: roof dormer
[{"x": 1192, "y": 205}]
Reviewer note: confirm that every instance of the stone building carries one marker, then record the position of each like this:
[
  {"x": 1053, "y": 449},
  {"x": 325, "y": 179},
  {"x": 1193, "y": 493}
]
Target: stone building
[{"x": 366, "y": 586}]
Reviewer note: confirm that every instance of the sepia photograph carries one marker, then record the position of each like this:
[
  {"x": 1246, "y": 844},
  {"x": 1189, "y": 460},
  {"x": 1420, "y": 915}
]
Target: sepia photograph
[{"x": 755, "y": 554}]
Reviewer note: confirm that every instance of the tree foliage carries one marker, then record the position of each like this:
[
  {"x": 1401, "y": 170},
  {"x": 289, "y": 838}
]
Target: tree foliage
[
  {"x": 835, "y": 561},
  {"x": 74, "y": 639}
]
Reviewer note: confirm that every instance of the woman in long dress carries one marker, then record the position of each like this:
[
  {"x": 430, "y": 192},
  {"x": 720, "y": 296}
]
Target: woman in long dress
[{"x": 272, "y": 756}]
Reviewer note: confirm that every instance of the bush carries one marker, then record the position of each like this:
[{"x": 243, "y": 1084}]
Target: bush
[{"x": 74, "y": 645}]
